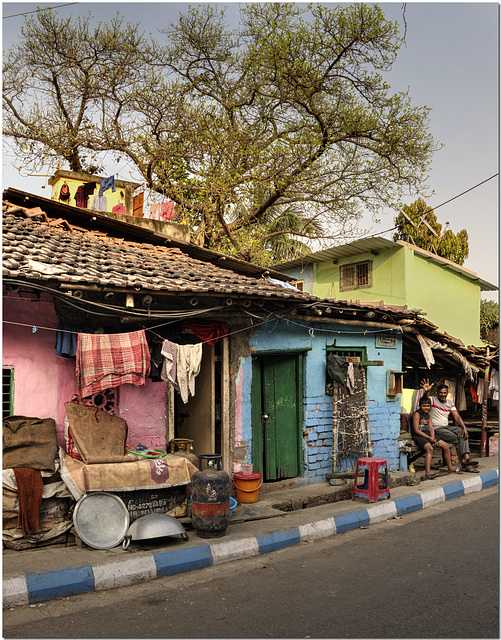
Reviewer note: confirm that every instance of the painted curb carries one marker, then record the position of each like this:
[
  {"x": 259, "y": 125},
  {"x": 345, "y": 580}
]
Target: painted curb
[{"x": 34, "y": 588}]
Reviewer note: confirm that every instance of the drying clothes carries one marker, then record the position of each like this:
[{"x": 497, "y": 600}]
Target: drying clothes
[
  {"x": 99, "y": 203},
  {"x": 209, "y": 332},
  {"x": 473, "y": 392},
  {"x": 156, "y": 359},
  {"x": 480, "y": 390},
  {"x": 119, "y": 208},
  {"x": 189, "y": 359},
  {"x": 494, "y": 385},
  {"x": 29, "y": 494},
  {"x": 81, "y": 197},
  {"x": 169, "y": 351},
  {"x": 107, "y": 183},
  {"x": 163, "y": 211},
  {"x": 64, "y": 193},
  {"x": 67, "y": 340},
  {"x": 337, "y": 368},
  {"x": 105, "y": 361},
  {"x": 350, "y": 378},
  {"x": 461, "y": 398},
  {"x": 89, "y": 188}
]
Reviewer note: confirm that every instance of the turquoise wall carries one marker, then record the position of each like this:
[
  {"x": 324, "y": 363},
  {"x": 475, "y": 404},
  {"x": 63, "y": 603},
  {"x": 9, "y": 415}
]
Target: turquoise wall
[{"x": 384, "y": 411}]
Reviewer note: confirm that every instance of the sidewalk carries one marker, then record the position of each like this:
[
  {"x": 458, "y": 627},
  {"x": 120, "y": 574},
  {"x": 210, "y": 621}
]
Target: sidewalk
[{"x": 48, "y": 573}]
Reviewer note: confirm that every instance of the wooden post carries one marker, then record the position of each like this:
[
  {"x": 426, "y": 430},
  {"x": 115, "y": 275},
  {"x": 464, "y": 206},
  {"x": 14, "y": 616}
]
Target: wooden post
[
  {"x": 335, "y": 423},
  {"x": 483, "y": 434}
]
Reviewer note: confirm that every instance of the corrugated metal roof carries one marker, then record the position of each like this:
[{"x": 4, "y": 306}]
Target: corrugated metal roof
[{"x": 373, "y": 245}]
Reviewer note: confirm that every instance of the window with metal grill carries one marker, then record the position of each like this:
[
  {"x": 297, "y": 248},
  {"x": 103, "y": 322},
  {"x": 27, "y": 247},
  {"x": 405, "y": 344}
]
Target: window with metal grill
[
  {"x": 356, "y": 275},
  {"x": 7, "y": 392}
]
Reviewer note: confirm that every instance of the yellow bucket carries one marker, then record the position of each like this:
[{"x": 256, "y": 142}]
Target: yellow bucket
[{"x": 247, "y": 486}]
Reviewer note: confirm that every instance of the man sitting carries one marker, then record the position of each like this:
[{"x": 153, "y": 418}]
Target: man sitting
[{"x": 455, "y": 435}]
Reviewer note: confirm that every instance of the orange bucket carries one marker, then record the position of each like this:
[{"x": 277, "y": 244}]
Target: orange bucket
[{"x": 247, "y": 486}]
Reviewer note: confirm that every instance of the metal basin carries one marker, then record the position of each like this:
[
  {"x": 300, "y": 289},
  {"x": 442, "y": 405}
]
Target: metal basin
[
  {"x": 154, "y": 525},
  {"x": 101, "y": 520}
]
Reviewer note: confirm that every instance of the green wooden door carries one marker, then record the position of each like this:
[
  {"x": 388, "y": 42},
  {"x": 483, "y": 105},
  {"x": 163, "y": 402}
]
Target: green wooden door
[{"x": 277, "y": 416}]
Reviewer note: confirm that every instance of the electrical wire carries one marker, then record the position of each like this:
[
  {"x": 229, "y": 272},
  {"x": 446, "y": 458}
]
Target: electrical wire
[{"x": 25, "y": 13}]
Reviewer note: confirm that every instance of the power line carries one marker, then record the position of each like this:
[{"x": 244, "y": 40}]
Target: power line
[
  {"x": 380, "y": 233},
  {"x": 15, "y": 15}
]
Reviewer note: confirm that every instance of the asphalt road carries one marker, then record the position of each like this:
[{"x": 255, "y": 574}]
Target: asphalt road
[{"x": 430, "y": 574}]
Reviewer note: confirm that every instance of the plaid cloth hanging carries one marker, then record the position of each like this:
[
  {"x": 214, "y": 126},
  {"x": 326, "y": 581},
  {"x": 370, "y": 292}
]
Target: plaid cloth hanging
[{"x": 105, "y": 361}]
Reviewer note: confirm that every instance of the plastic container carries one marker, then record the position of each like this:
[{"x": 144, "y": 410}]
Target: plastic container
[
  {"x": 233, "y": 504},
  {"x": 247, "y": 486},
  {"x": 493, "y": 446},
  {"x": 247, "y": 469}
]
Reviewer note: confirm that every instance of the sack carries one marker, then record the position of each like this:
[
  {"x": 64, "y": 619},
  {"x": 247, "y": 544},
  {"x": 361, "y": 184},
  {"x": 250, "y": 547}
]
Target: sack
[
  {"x": 99, "y": 436},
  {"x": 64, "y": 194},
  {"x": 29, "y": 442}
]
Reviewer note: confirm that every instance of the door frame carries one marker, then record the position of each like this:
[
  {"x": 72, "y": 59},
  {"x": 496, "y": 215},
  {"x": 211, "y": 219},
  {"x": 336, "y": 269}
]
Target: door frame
[{"x": 257, "y": 403}]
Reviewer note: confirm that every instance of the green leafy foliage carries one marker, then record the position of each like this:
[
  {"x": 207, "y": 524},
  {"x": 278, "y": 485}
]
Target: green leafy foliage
[
  {"x": 288, "y": 113},
  {"x": 420, "y": 226},
  {"x": 489, "y": 317}
]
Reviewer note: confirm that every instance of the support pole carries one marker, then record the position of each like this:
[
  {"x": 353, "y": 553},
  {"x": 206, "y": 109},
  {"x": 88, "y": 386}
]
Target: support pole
[{"x": 483, "y": 434}]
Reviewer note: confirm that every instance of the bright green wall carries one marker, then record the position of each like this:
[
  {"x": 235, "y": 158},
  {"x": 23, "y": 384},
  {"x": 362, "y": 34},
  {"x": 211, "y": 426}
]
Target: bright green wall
[
  {"x": 402, "y": 277},
  {"x": 450, "y": 300}
]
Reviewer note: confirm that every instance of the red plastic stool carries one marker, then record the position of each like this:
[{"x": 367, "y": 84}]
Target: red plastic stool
[{"x": 371, "y": 488}]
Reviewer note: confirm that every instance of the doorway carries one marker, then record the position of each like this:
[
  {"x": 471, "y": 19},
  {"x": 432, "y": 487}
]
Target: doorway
[{"x": 277, "y": 415}]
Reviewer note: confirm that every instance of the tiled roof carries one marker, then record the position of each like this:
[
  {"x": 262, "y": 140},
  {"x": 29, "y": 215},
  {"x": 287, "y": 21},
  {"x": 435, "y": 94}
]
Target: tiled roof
[{"x": 39, "y": 249}]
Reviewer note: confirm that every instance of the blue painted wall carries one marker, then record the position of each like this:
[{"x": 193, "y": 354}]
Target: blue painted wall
[{"x": 384, "y": 410}]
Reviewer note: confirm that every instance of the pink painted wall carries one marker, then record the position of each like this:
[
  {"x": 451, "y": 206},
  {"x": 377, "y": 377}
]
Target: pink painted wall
[{"x": 43, "y": 382}]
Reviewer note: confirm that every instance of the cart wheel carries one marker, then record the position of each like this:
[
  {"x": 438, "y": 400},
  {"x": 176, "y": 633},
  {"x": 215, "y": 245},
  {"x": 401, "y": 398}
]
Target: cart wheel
[
  {"x": 126, "y": 542},
  {"x": 184, "y": 536}
]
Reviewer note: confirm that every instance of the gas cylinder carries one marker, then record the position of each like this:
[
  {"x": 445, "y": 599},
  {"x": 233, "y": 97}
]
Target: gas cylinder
[
  {"x": 210, "y": 506},
  {"x": 183, "y": 447}
]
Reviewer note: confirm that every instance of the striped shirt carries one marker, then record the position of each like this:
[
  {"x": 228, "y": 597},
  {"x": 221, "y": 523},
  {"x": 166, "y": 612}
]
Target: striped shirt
[{"x": 439, "y": 411}]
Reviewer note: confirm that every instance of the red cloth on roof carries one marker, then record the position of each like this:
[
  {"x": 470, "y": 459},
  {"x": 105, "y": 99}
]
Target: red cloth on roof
[
  {"x": 29, "y": 495},
  {"x": 209, "y": 332},
  {"x": 105, "y": 361},
  {"x": 163, "y": 211}
]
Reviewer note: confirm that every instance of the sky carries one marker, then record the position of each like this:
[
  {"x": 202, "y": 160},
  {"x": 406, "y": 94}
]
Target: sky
[{"x": 449, "y": 62}]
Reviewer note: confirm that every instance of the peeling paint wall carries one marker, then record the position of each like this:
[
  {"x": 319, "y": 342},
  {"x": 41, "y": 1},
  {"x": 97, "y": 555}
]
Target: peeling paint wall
[{"x": 43, "y": 382}]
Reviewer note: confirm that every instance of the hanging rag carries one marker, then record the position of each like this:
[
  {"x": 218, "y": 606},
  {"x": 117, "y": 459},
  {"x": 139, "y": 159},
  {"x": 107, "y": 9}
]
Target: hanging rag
[
  {"x": 67, "y": 340},
  {"x": 480, "y": 390},
  {"x": 156, "y": 358},
  {"x": 119, "y": 208},
  {"x": 337, "y": 368},
  {"x": 163, "y": 211},
  {"x": 105, "y": 361},
  {"x": 169, "y": 351},
  {"x": 350, "y": 378},
  {"x": 89, "y": 188},
  {"x": 494, "y": 385},
  {"x": 107, "y": 183},
  {"x": 29, "y": 495},
  {"x": 81, "y": 197},
  {"x": 64, "y": 193},
  {"x": 461, "y": 398},
  {"x": 419, "y": 395},
  {"x": 99, "y": 203},
  {"x": 189, "y": 359},
  {"x": 473, "y": 392},
  {"x": 209, "y": 332}
]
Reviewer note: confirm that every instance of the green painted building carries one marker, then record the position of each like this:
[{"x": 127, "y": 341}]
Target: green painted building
[{"x": 396, "y": 273}]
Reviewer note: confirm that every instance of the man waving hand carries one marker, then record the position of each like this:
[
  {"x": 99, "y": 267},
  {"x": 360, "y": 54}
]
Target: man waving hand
[{"x": 441, "y": 407}]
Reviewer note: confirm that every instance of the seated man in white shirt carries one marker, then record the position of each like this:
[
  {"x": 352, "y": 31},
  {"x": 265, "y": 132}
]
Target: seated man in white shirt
[{"x": 455, "y": 435}]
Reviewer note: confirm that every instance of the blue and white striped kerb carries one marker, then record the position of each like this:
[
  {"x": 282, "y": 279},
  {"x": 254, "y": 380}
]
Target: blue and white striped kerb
[{"x": 40, "y": 587}]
